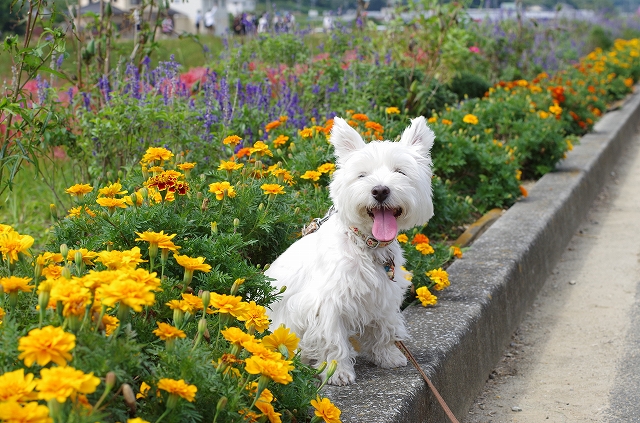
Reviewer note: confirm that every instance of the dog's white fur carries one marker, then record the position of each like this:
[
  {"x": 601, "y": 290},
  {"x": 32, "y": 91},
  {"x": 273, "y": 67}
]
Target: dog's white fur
[{"x": 337, "y": 287}]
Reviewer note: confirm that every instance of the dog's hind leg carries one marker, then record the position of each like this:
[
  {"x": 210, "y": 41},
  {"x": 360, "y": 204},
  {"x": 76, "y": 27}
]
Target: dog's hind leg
[{"x": 377, "y": 344}]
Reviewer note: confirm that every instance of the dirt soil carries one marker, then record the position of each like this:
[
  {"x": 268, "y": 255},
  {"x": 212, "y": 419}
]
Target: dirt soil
[{"x": 569, "y": 360}]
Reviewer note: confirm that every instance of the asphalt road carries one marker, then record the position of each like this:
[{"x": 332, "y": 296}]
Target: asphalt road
[{"x": 576, "y": 356}]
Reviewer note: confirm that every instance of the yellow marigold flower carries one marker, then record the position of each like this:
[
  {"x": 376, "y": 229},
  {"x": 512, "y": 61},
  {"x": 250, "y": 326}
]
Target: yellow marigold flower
[
  {"x": 471, "y": 119},
  {"x": 425, "y": 248},
  {"x": 426, "y": 297},
  {"x": 126, "y": 292},
  {"x": 306, "y": 133},
  {"x": 543, "y": 114},
  {"x": 276, "y": 370},
  {"x": 155, "y": 239},
  {"x": 166, "y": 331},
  {"x": 569, "y": 145},
  {"x": 236, "y": 336},
  {"x": 12, "y": 244},
  {"x": 268, "y": 410},
  {"x": 31, "y": 412},
  {"x": 325, "y": 409},
  {"x": 360, "y": 116},
  {"x": 190, "y": 263},
  {"x": 282, "y": 337},
  {"x": 186, "y": 166},
  {"x": 194, "y": 302},
  {"x": 272, "y": 189},
  {"x": 45, "y": 345},
  {"x": 112, "y": 190},
  {"x": 456, "y": 251},
  {"x": 522, "y": 83},
  {"x": 283, "y": 118},
  {"x": 280, "y": 141},
  {"x": 374, "y": 126},
  {"x": 87, "y": 255},
  {"x": 79, "y": 190},
  {"x": 229, "y": 165},
  {"x": 261, "y": 149},
  {"x": 144, "y": 390},
  {"x": 327, "y": 168},
  {"x": 179, "y": 388},
  {"x": 432, "y": 119},
  {"x": 222, "y": 188},
  {"x": 311, "y": 175},
  {"x": 181, "y": 305},
  {"x": 112, "y": 203},
  {"x": 272, "y": 125},
  {"x": 402, "y": 238},
  {"x": 110, "y": 324},
  {"x": 63, "y": 382},
  {"x": 232, "y": 140},
  {"x": 555, "y": 109},
  {"x": 392, "y": 110},
  {"x": 439, "y": 277},
  {"x": 446, "y": 122},
  {"x": 228, "y": 304},
  {"x": 137, "y": 420},
  {"x": 115, "y": 259},
  {"x": 255, "y": 316},
  {"x": 15, "y": 284},
  {"x": 16, "y": 386},
  {"x": 158, "y": 154},
  {"x": 75, "y": 300},
  {"x": 2, "y": 314}
]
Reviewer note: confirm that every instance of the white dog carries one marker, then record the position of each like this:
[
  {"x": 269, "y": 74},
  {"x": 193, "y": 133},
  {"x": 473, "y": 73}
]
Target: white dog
[{"x": 344, "y": 280}]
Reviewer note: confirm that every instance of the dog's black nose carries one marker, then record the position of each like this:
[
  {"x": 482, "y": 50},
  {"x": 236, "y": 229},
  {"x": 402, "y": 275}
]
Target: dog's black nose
[{"x": 380, "y": 193}]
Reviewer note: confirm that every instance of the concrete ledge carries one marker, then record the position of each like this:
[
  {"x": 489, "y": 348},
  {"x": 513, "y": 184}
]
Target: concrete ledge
[{"x": 460, "y": 341}]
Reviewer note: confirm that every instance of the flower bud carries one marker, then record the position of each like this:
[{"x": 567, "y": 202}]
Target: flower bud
[
  {"x": 202, "y": 326},
  {"x": 222, "y": 403},
  {"x": 178, "y": 317},
  {"x": 54, "y": 211},
  {"x": 110, "y": 380},
  {"x": 64, "y": 250},
  {"x": 321, "y": 368},
  {"x": 214, "y": 227},
  {"x": 78, "y": 259},
  {"x": 66, "y": 272},
  {"x": 333, "y": 366},
  {"x": 129, "y": 397},
  {"x": 261, "y": 206},
  {"x": 236, "y": 223},
  {"x": 206, "y": 299}
]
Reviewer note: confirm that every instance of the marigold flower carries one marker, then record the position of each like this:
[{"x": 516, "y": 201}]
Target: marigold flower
[
  {"x": 523, "y": 191},
  {"x": 63, "y": 382},
  {"x": 432, "y": 119},
  {"x": 236, "y": 336},
  {"x": 402, "y": 238},
  {"x": 79, "y": 190},
  {"x": 229, "y": 165},
  {"x": 311, "y": 175},
  {"x": 112, "y": 190},
  {"x": 222, "y": 188},
  {"x": 325, "y": 409},
  {"x": 155, "y": 239},
  {"x": 16, "y": 386},
  {"x": 360, "y": 116},
  {"x": 115, "y": 259},
  {"x": 182, "y": 305},
  {"x": 228, "y": 304},
  {"x": 471, "y": 119},
  {"x": 425, "y": 248},
  {"x": 261, "y": 149},
  {"x": 87, "y": 256},
  {"x": 420, "y": 238},
  {"x": 127, "y": 292},
  {"x": 111, "y": 203},
  {"x": 179, "y": 388},
  {"x": 12, "y": 244},
  {"x": 110, "y": 324},
  {"x": 456, "y": 251},
  {"x": 137, "y": 420},
  {"x": 272, "y": 189},
  {"x": 276, "y": 370},
  {"x": 167, "y": 332},
  {"x": 190, "y": 263},
  {"x": 268, "y": 410},
  {"x": 2, "y": 314},
  {"x": 306, "y": 133},
  {"x": 425, "y": 296},
  {"x": 374, "y": 126},
  {"x": 327, "y": 168},
  {"x": 156, "y": 154},
  {"x": 15, "y": 284},
  {"x": 45, "y": 345},
  {"x": 280, "y": 141},
  {"x": 272, "y": 125},
  {"x": 255, "y": 316},
  {"x": 282, "y": 336},
  {"x": 446, "y": 122},
  {"x": 555, "y": 109},
  {"x": 439, "y": 277},
  {"x": 31, "y": 412},
  {"x": 194, "y": 302},
  {"x": 392, "y": 110},
  {"x": 144, "y": 390},
  {"x": 186, "y": 166}
]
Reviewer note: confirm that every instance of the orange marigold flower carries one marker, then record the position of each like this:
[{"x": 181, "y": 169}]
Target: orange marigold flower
[
  {"x": 523, "y": 191},
  {"x": 280, "y": 141},
  {"x": 360, "y": 116},
  {"x": 166, "y": 331},
  {"x": 272, "y": 125},
  {"x": 374, "y": 126},
  {"x": 419, "y": 239}
]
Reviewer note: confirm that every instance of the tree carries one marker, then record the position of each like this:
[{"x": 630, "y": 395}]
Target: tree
[{"x": 10, "y": 18}]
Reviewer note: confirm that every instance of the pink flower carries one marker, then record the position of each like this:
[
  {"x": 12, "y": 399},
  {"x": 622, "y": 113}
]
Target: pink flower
[
  {"x": 474, "y": 49},
  {"x": 193, "y": 75}
]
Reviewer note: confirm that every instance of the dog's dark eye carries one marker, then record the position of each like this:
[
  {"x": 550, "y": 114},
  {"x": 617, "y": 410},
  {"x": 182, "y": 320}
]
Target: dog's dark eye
[
  {"x": 362, "y": 175},
  {"x": 400, "y": 172}
]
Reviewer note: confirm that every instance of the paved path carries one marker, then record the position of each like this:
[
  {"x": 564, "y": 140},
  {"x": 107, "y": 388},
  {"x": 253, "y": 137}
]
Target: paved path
[{"x": 576, "y": 357}]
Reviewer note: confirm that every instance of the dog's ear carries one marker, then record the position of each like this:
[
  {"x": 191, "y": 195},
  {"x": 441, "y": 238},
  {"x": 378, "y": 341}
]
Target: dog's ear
[
  {"x": 419, "y": 135},
  {"x": 344, "y": 138}
]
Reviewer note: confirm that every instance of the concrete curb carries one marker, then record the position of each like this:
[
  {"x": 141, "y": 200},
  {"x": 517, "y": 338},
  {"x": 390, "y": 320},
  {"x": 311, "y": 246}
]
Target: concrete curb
[{"x": 460, "y": 341}]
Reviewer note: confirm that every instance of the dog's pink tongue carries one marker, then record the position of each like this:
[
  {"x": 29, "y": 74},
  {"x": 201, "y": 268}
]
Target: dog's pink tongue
[{"x": 385, "y": 227}]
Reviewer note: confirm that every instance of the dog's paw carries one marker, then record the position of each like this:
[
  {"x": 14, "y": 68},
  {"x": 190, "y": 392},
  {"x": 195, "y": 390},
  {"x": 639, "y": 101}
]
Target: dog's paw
[
  {"x": 390, "y": 358},
  {"x": 342, "y": 377}
]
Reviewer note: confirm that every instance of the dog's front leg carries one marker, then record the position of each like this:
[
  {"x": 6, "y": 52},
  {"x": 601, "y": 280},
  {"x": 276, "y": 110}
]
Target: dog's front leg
[
  {"x": 378, "y": 342},
  {"x": 330, "y": 341}
]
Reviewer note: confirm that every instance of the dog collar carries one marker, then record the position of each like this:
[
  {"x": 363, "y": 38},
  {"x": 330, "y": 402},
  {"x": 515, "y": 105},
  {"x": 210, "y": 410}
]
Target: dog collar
[{"x": 370, "y": 241}]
